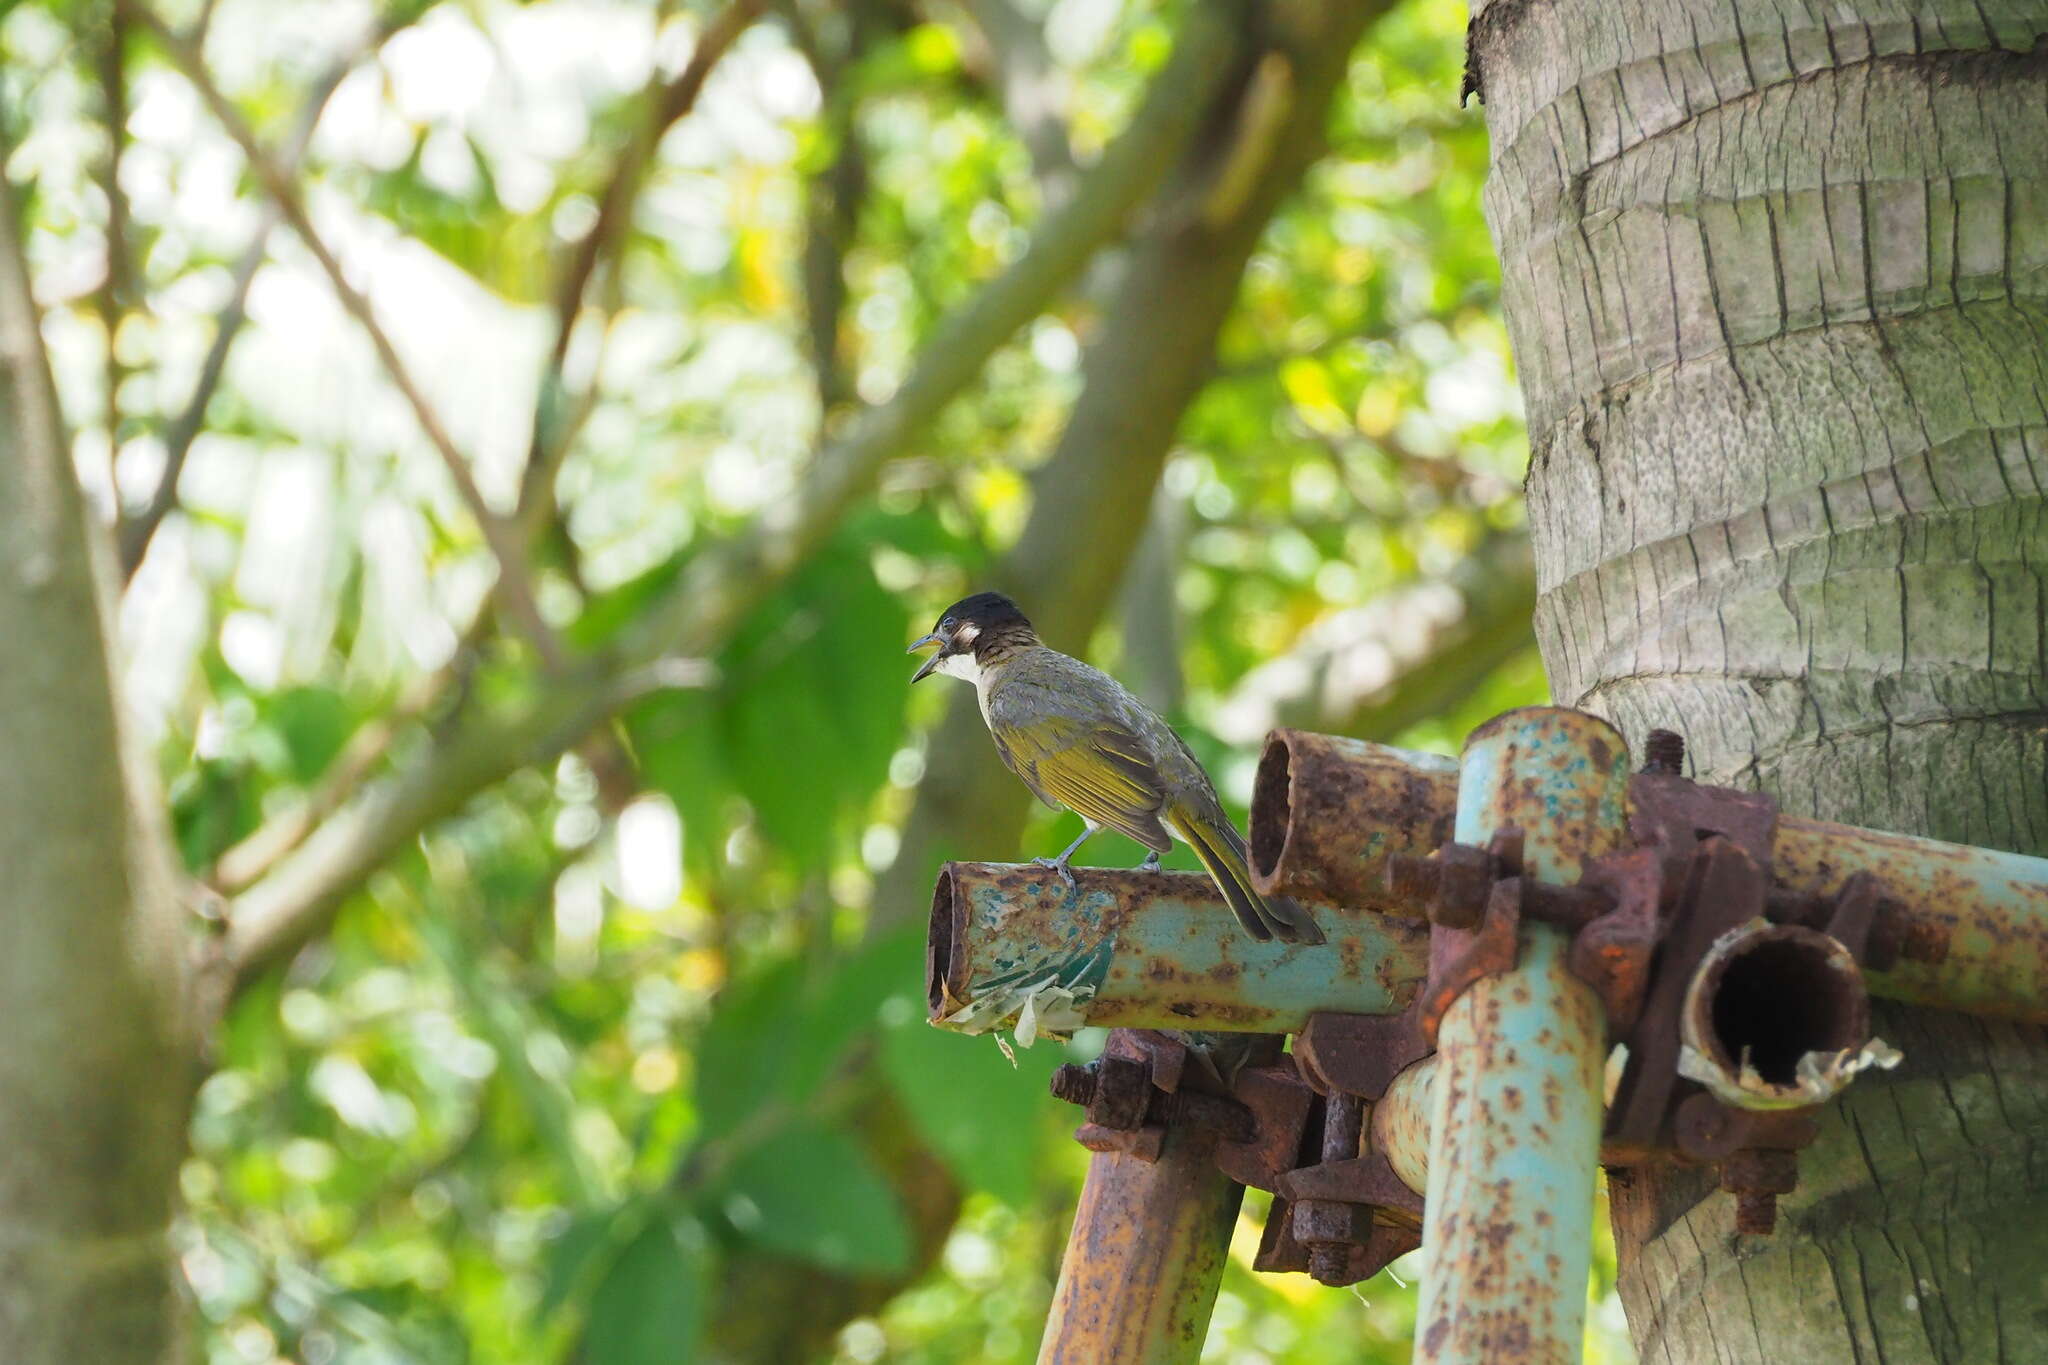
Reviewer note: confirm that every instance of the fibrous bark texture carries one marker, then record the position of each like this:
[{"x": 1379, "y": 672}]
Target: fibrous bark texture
[
  {"x": 1777, "y": 280},
  {"x": 94, "y": 1064}
]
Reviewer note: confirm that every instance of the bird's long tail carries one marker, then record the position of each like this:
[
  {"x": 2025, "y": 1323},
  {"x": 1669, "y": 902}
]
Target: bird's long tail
[{"x": 1223, "y": 854}]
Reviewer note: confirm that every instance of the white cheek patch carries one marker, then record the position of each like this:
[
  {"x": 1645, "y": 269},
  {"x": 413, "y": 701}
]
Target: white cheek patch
[
  {"x": 965, "y": 637},
  {"x": 962, "y": 666}
]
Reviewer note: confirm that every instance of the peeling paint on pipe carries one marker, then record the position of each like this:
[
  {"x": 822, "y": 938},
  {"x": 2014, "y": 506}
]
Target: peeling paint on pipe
[
  {"x": 1147, "y": 950},
  {"x": 1515, "y": 1125}
]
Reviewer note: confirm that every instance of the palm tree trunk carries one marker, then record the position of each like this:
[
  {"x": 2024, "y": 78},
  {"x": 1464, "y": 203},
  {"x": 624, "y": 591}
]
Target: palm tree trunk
[{"x": 1777, "y": 279}]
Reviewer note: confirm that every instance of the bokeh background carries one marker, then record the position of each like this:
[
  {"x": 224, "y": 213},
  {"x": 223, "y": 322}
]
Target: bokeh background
[{"x": 610, "y": 1046}]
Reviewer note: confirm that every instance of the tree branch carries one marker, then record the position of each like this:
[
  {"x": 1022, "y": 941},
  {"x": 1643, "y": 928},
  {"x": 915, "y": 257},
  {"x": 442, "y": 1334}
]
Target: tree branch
[
  {"x": 725, "y": 582},
  {"x": 137, "y": 531},
  {"x": 1413, "y": 653},
  {"x": 513, "y": 587},
  {"x": 1030, "y": 90},
  {"x": 833, "y": 198},
  {"x": 276, "y": 837},
  {"x": 242, "y": 865},
  {"x": 297, "y": 898},
  {"x": 117, "y": 290},
  {"x": 1149, "y": 608},
  {"x": 668, "y": 103}
]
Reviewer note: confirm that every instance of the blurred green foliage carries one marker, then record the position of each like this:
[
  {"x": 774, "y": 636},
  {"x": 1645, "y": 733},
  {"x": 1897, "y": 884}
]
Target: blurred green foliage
[{"x": 567, "y": 1053}]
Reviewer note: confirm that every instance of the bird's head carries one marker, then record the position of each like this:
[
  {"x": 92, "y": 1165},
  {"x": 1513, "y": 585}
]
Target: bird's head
[{"x": 968, "y": 632}]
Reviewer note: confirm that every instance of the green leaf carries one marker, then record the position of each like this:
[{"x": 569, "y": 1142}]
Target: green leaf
[
  {"x": 810, "y": 1192},
  {"x": 608, "y": 612},
  {"x": 649, "y": 1308},
  {"x": 314, "y": 722},
  {"x": 569, "y": 1258},
  {"x": 674, "y": 737},
  {"x": 743, "y": 1049},
  {"x": 775, "y": 1036},
  {"x": 813, "y": 700},
  {"x": 985, "y": 1118}
]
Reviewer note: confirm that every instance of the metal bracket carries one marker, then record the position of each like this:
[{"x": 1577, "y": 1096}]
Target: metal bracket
[
  {"x": 1344, "y": 1216},
  {"x": 1133, "y": 1093}
]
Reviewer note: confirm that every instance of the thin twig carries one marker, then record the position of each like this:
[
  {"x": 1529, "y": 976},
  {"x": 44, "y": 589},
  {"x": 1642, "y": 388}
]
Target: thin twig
[
  {"x": 833, "y": 199},
  {"x": 203, "y": 24},
  {"x": 366, "y": 748},
  {"x": 514, "y": 586},
  {"x": 252, "y": 858},
  {"x": 137, "y": 531},
  {"x": 553, "y": 425},
  {"x": 118, "y": 288},
  {"x": 1029, "y": 88}
]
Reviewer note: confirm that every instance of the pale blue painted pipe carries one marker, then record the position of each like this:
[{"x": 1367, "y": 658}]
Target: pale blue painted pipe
[
  {"x": 1515, "y": 1117},
  {"x": 1146, "y": 950}
]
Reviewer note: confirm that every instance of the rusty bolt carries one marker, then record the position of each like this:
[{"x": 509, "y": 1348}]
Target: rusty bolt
[
  {"x": 1074, "y": 1084},
  {"x": 1412, "y": 881},
  {"x": 1664, "y": 752},
  {"x": 1756, "y": 1213},
  {"x": 1757, "y": 1176},
  {"x": 1329, "y": 1228},
  {"x": 1450, "y": 887},
  {"x": 1466, "y": 876},
  {"x": 1769, "y": 1169},
  {"x": 1330, "y": 1263}
]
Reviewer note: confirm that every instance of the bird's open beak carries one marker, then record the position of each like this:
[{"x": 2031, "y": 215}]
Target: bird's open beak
[{"x": 924, "y": 669}]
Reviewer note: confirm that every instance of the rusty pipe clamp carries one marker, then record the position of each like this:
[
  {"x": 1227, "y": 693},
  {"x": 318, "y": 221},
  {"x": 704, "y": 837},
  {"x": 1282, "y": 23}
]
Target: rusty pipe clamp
[
  {"x": 1139, "y": 1088},
  {"x": 1741, "y": 1008}
]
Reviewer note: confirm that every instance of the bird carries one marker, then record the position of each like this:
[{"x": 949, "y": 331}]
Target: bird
[{"x": 1079, "y": 740}]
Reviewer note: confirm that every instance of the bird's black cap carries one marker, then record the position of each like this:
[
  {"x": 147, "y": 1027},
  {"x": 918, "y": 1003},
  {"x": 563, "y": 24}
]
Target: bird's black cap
[{"x": 991, "y": 611}]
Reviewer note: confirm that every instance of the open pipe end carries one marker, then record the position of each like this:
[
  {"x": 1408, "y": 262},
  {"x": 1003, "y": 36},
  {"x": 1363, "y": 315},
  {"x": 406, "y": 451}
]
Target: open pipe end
[
  {"x": 944, "y": 963},
  {"x": 1777, "y": 1016},
  {"x": 1328, "y": 812},
  {"x": 1272, "y": 800}
]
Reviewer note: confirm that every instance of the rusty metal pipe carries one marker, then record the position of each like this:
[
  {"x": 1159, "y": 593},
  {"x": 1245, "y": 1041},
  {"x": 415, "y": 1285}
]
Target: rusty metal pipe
[
  {"x": 1515, "y": 1123},
  {"x": 1971, "y": 924},
  {"x": 1400, "y": 1123},
  {"x": 1978, "y": 916},
  {"x": 1144, "y": 1258},
  {"x": 1328, "y": 812},
  {"x": 1145, "y": 950},
  {"x": 1776, "y": 1017}
]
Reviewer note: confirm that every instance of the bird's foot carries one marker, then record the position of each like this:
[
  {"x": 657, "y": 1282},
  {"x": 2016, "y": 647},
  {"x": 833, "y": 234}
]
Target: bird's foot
[
  {"x": 1059, "y": 865},
  {"x": 1151, "y": 863}
]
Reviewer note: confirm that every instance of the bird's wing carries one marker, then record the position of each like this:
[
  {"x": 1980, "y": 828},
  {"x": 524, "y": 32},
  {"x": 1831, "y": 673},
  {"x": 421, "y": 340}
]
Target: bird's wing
[{"x": 1094, "y": 766}]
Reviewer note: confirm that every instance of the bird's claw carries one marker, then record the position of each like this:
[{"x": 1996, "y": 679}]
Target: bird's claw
[
  {"x": 1059, "y": 865},
  {"x": 1151, "y": 863}
]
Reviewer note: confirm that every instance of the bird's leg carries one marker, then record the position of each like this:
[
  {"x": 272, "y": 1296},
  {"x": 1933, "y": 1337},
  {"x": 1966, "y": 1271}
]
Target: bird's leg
[
  {"x": 1151, "y": 863},
  {"x": 1059, "y": 864}
]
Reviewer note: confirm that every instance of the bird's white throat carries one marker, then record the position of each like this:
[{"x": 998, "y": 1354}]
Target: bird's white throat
[{"x": 963, "y": 666}]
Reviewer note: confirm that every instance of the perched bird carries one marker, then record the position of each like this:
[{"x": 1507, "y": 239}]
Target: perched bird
[{"x": 1079, "y": 740}]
